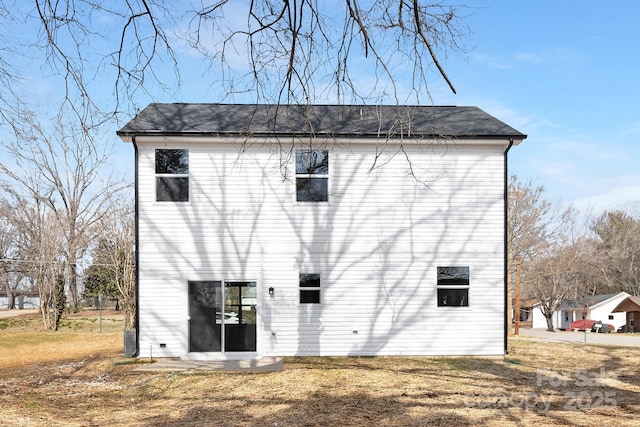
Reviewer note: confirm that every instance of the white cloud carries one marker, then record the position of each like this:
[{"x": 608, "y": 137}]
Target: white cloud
[
  {"x": 549, "y": 56},
  {"x": 582, "y": 149},
  {"x": 578, "y": 169},
  {"x": 633, "y": 129},
  {"x": 492, "y": 61},
  {"x": 542, "y": 56},
  {"x": 623, "y": 197},
  {"x": 529, "y": 57}
]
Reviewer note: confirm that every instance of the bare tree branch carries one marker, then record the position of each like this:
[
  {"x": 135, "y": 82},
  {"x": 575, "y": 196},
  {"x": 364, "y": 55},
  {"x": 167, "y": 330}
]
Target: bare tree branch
[{"x": 273, "y": 51}]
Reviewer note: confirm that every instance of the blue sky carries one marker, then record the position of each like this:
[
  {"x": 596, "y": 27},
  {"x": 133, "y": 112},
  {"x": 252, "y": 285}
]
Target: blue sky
[{"x": 566, "y": 73}]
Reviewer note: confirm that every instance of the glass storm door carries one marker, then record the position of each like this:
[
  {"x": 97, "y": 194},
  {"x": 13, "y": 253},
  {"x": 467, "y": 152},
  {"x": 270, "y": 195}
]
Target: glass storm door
[
  {"x": 239, "y": 316},
  {"x": 222, "y": 318}
]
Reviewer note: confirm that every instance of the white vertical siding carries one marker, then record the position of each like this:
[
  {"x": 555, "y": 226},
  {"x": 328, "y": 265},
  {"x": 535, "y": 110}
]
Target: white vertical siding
[{"x": 376, "y": 243}]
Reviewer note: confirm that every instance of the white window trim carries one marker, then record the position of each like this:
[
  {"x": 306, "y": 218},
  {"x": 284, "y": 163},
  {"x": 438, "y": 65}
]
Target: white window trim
[
  {"x": 326, "y": 176},
  {"x": 171, "y": 175}
]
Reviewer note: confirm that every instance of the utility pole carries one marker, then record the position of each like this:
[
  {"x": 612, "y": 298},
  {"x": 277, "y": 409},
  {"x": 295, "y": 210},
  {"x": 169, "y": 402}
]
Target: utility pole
[{"x": 517, "y": 308}]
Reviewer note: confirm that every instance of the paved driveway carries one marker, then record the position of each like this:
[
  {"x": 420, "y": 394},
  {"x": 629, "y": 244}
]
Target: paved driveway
[
  {"x": 4, "y": 314},
  {"x": 626, "y": 340}
]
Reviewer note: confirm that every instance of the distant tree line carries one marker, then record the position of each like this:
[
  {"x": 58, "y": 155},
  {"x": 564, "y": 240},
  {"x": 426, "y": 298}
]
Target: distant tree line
[
  {"x": 60, "y": 208},
  {"x": 566, "y": 254}
]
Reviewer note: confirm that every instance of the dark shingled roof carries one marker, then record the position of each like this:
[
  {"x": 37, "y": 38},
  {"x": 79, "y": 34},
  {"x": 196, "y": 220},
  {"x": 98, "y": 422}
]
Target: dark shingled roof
[{"x": 317, "y": 120}]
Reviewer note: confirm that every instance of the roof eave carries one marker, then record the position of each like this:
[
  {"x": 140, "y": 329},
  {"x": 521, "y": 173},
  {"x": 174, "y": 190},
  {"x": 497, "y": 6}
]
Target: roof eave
[{"x": 127, "y": 136}]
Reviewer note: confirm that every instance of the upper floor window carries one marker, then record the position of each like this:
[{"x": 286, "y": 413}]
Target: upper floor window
[
  {"x": 312, "y": 175},
  {"x": 172, "y": 175},
  {"x": 453, "y": 286}
]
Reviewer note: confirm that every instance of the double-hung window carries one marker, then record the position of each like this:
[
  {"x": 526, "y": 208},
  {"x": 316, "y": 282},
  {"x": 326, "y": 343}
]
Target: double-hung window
[
  {"x": 312, "y": 175},
  {"x": 172, "y": 175},
  {"x": 453, "y": 286},
  {"x": 309, "y": 288}
]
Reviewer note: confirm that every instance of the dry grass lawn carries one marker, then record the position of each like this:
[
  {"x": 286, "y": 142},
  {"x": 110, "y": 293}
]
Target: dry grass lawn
[{"x": 76, "y": 377}]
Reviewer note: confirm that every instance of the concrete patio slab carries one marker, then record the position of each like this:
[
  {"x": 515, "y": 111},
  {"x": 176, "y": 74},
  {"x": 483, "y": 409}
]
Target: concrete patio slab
[{"x": 171, "y": 364}]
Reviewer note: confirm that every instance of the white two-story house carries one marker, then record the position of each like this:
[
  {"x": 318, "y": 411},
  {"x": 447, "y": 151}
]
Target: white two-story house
[{"x": 319, "y": 230}]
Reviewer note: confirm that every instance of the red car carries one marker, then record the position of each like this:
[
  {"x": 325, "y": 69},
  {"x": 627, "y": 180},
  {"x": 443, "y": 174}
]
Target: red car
[
  {"x": 580, "y": 324},
  {"x": 591, "y": 325}
]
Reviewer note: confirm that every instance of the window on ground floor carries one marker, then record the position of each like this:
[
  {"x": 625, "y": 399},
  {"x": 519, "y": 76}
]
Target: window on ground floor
[
  {"x": 309, "y": 288},
  {"x": 453, "y": 286}
]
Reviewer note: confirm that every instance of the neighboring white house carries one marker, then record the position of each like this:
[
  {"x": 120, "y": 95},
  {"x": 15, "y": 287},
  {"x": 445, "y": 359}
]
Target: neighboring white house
[
  {"x": 21, "y": 299},
  {"x": 320, "y": 230},
  {"x": 599, "y": 307}
]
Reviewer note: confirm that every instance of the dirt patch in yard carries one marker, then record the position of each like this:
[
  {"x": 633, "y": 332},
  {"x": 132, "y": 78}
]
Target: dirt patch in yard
[{"x": 84, "y": 380}]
